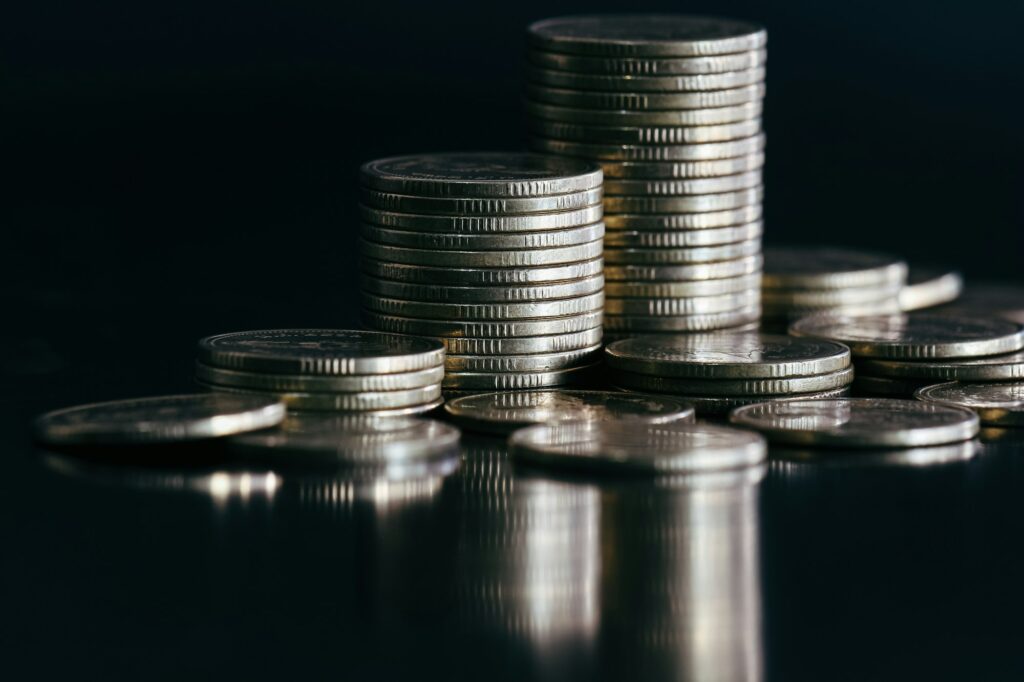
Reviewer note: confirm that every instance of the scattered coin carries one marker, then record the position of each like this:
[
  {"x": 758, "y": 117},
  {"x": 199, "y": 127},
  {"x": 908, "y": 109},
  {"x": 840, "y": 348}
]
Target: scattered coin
[{"x": 1001, "y": 403}]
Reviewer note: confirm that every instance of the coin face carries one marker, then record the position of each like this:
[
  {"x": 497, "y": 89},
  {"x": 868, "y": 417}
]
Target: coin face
[
  {"x": 1004, "y": 367},
  {"x": 918, "y": 335},
  {"x": 829, "y": 268},
  {"x": 164, "y": 419},
  {"x": 1000, "y": 403},
  {"x": 858, "y": 422},
  {"x": 631, "y": 445},
  {"x": 507, "y": 411}
]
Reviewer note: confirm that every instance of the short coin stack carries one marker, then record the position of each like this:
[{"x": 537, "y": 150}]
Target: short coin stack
[
  {"x": 717, "y": 372},
  {"x": 496, "y": 254},
  {"x": 670, "y": 106},
  {"x": 327, "y": 369}
]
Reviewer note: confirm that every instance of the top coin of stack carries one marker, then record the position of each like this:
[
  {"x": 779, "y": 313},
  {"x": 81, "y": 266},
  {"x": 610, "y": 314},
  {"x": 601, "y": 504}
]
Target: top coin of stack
[
  {"x": 670, "y": 106},
  {"x": 496, "y": 254}
]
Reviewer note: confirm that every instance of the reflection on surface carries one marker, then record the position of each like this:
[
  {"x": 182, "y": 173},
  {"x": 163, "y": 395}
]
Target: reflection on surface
[{"x": 793, "y": 459}]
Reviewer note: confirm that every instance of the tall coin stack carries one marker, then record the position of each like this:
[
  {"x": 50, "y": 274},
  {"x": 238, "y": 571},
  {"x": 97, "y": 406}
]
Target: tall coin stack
[
  {"x": 670, "y": 106},
  {"x": 496, "y": 254}
]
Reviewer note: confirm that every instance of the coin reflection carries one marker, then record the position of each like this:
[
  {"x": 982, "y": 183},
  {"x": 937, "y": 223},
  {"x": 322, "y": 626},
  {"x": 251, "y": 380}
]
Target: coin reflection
[{"x": 791, "y": 459}]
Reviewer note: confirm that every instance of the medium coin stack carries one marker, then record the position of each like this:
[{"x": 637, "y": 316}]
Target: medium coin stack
[
  {"x": 717, "y": 372},
  {"x": 670, "y": 106},
  {"x": 327, "y": 369},
  {"x": 498, "y": 255}
]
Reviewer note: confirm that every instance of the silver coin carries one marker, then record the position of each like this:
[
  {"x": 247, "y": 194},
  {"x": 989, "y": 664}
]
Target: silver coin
[
  {"x": 645, "y": 101},
  {"x": 676, "y": 188},
  {"x": 622, "y": 118},
  {"x": 682, "y": 323},
  {"x": 485, "y": 311},
  {"x": 540, "y": 362},
  {"x": 481, "y": 224},
  {"x": 507, "y": 411},
  {"x": 925, "y": 456},
  {"x": 1002, "y": 300},
  {"x": 481, "y": 276},
  {"x": 882, "y": 386},
  {"x": 573, "y": 132},
  {"x": 552, "y": 343},
  {"x": 670, "y": 83},
  {"x": 162, "y": 419},
  {"x": 921, "y": 335},
  {"x": 632, "y": 66},
  {"x": 828, "y": 268},
  {"x": 507, "y": 381},
  {"x": 683, "y": 256},
  {"x": 491, "y": 294},
  {"x": 717, "y": 406},
  {"x": 688, "y": 204},
  {"x": 483, "y": 259},
  {"x": 830, "y": 298},
  {"x": 727, "y": 356},
  {"x": 1000, "y": 403},
  {"x": 406, "y": 203},
  {"x": 683, "y": 239},
  {"x": 673, "y": 307},
  {"x": 319, "y": 351},
  {"x": 929, "y": 288},
  {"x": 683, "y": 273},
  {"x": 342, "y": 402},
  {"x": 708, "y": 151},
  {"x": 707, "y": 287},
  {"x": 735, "y": 387},
  {"x": 262, "y": 381},
  {"x": 669, "y": 170},
  {"x": 858, "y": 422},
  {"x": 517, "y": 240},
  {"x": 645, "y": 35},
  {"x": 684, "y": 221},
  {"x": 889, "y": 306},
  {"x": 454, "y": 328},
  {"x": 632, "y": 445},
  {"x": 479, "y": 174},
  {"x": 1005, "y": 367}
]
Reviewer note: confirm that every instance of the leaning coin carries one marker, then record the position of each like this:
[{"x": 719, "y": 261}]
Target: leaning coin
[
  {"x": 683, "y": 239},
  {"x": 508, "y": 381},
  {"x": 319, "y": 351},
  {"x": 631, "y": 445},
  {"x": 829, "y": 268},
  {"x": 684, "y": 187},
  {"x": 644, "y": 101},
  {"x": 708, "y": 151},
  {"x": 919, "y": 335},
  {"x": 683, "y": 256},
  {"x": 485, "y": 311},
  {"x": 538, "y": 362},
  {"x": 560, "y": 130},
  {"x": 163, "y": 419},
  {"x": 483, "y": 242},
  {"x": 683, "y": 221},
  {"x": 505, "y": 412},
  {"x": 727, "y": 356},
  {"x": 707, "y": 287},
  {"x": 262, "y": 381},
  {"x": 667, "y": 117},
  {"x": 491, "y": 294},
  {"x": 928, "y": 288},
  {"x": 858, "y": 422},
  {"x": 481, "y": 276},
  {"x": 479, "y": 206},
  {"x": 1001, "y": 403},
  {"x": 343, "y": 402},
  {"x": 1005, "y": 367},
  {"x": 682, "y": 323},
  {"x": 670, "y": 170},
  {"x": 501, "y": 224},
  {"x": 483, "y": 259},
  {"x": 735, "y": 387},
  {"x": 718, "y": 406},
  {"x": 479, "y": 174},
  {"x": 683, "y": 273},
  {"x": 671, "y": 307},
  {"x": 638, "y": 66},
  {"x": 458, "y": 328},
  {"x": 644, "y": 83},
  {"x": 688, "y": 204},
  {"x": 553, "y": 343}
]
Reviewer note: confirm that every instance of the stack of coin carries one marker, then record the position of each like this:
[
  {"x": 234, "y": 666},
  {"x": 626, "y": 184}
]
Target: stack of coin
[
  {"x": 717, "y": 372},
  {"x": 327, "y": 369},
  {"x": 800, "y": 281},
  {"x": 496, "y": 254},
  {"x": 670, "y": 106}
]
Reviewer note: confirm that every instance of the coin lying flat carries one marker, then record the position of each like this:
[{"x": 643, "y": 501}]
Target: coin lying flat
[
  {"x": 483, "y": 259},
  {"x": 538, "y": 362},
  {"x": 263, "y": 381},
  {"x": 858, "y": 422},
  {"x": 707, "y": 287},
  {"x": 829, "y": 298},
  {"x": 900, "y": 457},
  {"x": 683, "y": 187},
  {"x": 708, "y": 151},
  {"x": 460, "y": 329},
  {"x": 1005, "y": 367},
  {"x": 718, "y": 406},
  {"x": 485, "y": 311},
  {"x": 574, "y": 132},
  {"x": 467, "y": 276},
  {"x": 667, "y": 83},
  {"x": 487, "y": 242},
  {"x": 642, "y": 447},
  {"x": 635, "y": 66},
  {"x": 505, "y": 381},
  {"x": 828, "y": 268},
  {"x": 507, "y": 411},
  {"x": 918, "y": 335},
  {"x": 682, "y": 323},
  {"x": 671, "y": 307},
  {"x": 343, "y": 402},
  {"x": 479, "y": 206},
  {"x": 163, "y": 419},
  {"x": 667, "y": 170},
  {"x": 865, "y": 385},
  {"x": 506, "y": 294},
  {"x": 1002, "y": 300},
  {"x": 727, "y": 356},
  {"x": 666, "y": 117},
  {"x": 479, "y": 174},
  {"x": 999, "y": 403},
  {"x": 552, "y": 343},
  {"x": 683, "y": 256},
  {"x": 644, "y": 101},
  {"x": 735, "y": 387},
  {"x": 926, "y": 288},
  {"x": 502, "y": 224},
  {"x": 724, "y": 201},
  {"x": 683, "y": 221}
]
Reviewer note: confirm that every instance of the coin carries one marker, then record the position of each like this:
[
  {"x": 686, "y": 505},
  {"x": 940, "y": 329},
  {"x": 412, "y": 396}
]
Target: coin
[
  {"x": 479, "y": 174},
  {"x": 688, "y": 204},
  {"x": 560, "y": 130},
  {"x": 828, "y": 268},
  {"x": 521, "y": 240},
  {"x": 828, "y": 298},
  {"x": 858, "y": 422},
  {"x": 667, "y": 117},
  {"x": 552, "y": 343},
  {"x": 645, "y": 101},
  {"x": 1004, "y": 367},
  {"x": 477, "y": 205},
  {"x": 671, "y": 307},
  {"x": 683, "y": 273},
  {"x": 684, "y": 221},
  {"x": 298, "y": 382},
  {"x": 717, "y": 406},
  {"x": 683, "y": 256},
  {"x": 684, "y": 239},
  {"x": 632, "y": 66},
  {"x": 163, "y": 419},
  {"x": 708, "y": 287},
  {"x": 925, "y": 456},
  {"x": 682, "y": 323},
  {"x": 482, "y": 276},
  {"x": 457, "y": 328},
  {"x": 1000, "y": 403},
  {"x": 882, "y": 386},
  {"x": 887, "y": 306},
  {"x": 707, "y": 151},
  {"x": 667, "y": 83},
  {"x": 645, "y": 35},
  {"x": 485, "y": 311},
  {"x": 1002, "y": 300},
  {"x": 673, "y": 188},
  {"x": 727, "y": 356},
  {"x": 668, "y": 170},
  {"x": 735, "y": 387},
  {"x": 919, "y": 335},
  {"x": 505, "y": 381},
  {"x": 507, "y": 411},
  {"x": 483, "y": 259},
  {"x": 343, "y": 402},
  {"x": 540, "y": 362},
  {"x": 481, "y": 224},
  {"x": 928, "y": 288},
  {"x": 319, "y": 351},
  {"x": 499, "y": 294}
]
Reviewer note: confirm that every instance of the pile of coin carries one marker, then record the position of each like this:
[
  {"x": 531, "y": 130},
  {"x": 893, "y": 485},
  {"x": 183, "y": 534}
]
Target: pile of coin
[
  {"x": 719, "y": 371},
  {"x": 670, "y": 106},
  {"x": 801, "y": 281},
  {"x": 496, "y": 254},
  {"x": 327, "y": 369}
]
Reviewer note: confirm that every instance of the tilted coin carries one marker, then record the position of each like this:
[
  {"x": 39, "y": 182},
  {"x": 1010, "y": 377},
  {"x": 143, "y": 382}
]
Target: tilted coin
[
  {"x": 645, "y": 35},
  {"x": 538, "y": 362},
  {"x": 829, "y": 268},
  {"x": 683, "y": 273},
  {"x": 638, "y": 66},
  {"x": 671, "y": 307},
  {"x": 1002, "y": 300},
  {"x": 667, "y": 83},
  {"x": 489, "y": 294},
  {"x": 735, "y": 387},
  {"x": 507, "y": 411},
  {"x": 501, "y": 224},
  {"x": 683, "y": 221},
  {"x": 552, "y": 343},
  {"x": 927, "y": 288},
  {"x": 718, "y": 406},
  {"x": 924, "y": 456},
  {"x": 162, "y": 419},
  {"x": 682, "y": 323},
  {"x": 707, "y": 287},
  {"x": 890, "y": 388},
  {"x": 481, "y": 276},
  {"x": 683, "y": 256},
  {"x": 707, "y": 151},
  {"x": 918, "y": 335},
  {"x": 342, "y": 402},
  {"x": 483, "y": 259},
  {"x": 644, "y": 101},
  {"x": 505, "y": 381},
  {"x": 479, "y": 206},
  {"x": 1000, "y": 403},
  {"x": 727, "y": 356},
  {"x": 560, "y": 130},
  {"x": 263, "y": 381},
  {"x": 1004, "y": 367},
  {"x": 688, "y": 204},
  {"x": 674, "y": 188},
  {"x": 479, "y": 174},
  {"x": 485, "y": 311},
  {"x": 828, "y": 298},
  {"x": 632, "y": 445},
  {"x": 457, "y": 328},
  {"x": 669, "y": 170},
  {"x": 319, "y": 351},
  {"x": 668, "y": 117},
  {"x": 886, "y": 306},
  {"x": 858, "y": 422},
  {"x": 683, "y": 239},
  {"x": 517, "y": 240}
]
